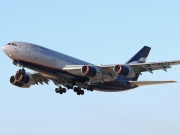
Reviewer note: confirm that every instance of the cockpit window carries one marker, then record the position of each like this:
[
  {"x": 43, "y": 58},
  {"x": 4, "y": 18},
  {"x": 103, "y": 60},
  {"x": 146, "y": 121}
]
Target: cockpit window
[{"x": 14, "y": 44}]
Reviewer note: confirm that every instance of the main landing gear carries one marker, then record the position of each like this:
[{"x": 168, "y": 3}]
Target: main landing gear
[
  {"x": 78, "y": 91},
  {"x": 60, "y": 90},
  {"x": 89, "y": 88},
  {"x": 22, "y": 71}
]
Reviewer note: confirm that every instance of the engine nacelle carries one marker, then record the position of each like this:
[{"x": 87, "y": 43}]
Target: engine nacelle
[
  {"x": 26, "y": 78},
  {"x": 18, "y": 84},
  {"x": 124, "y": 71},
  {"x": 89, "y": 71}
]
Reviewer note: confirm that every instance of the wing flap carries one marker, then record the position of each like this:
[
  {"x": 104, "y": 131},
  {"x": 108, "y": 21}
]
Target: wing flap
[
  {"x": 40, "y": 78},
  {"x": 144, "y": 83}
]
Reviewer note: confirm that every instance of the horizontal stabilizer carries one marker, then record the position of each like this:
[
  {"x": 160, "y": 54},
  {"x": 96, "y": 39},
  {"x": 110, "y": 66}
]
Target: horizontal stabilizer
[{"x": 144, "y": 83}]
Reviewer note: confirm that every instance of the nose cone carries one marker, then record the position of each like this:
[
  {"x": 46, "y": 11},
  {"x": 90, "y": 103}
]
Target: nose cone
[{"x": 5, "y": 49}]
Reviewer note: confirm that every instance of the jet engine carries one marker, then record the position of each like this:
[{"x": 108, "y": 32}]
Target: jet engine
[
  {"x": 124, "y": 71},
  {"x": 13, "y": 81},
  {"x": 22, "y": 80},
  {"x": 89, "y": 71}
]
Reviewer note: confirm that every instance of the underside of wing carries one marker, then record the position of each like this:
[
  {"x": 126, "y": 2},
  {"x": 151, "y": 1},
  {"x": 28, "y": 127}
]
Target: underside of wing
[
  {"x": 41, "y": 78},
  {"x": 26, "y": 79},
  {"x": 144, "y": 83}
]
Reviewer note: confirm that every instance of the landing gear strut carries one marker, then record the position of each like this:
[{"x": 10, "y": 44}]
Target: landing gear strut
[{"x": 22, "y": 71}]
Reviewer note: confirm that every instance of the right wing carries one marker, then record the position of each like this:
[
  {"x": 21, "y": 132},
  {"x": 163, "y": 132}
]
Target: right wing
[
  {"x": 27, "y": 79},
  {"x": 41, "y": 78},
  {"x": 107, "y": 71},
  {"x": 143, "y": 67},
  {"x": 150, "y": 66}
]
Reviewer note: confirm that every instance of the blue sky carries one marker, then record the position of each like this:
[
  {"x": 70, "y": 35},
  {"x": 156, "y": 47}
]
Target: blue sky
[{"x": 100, "y": 32}]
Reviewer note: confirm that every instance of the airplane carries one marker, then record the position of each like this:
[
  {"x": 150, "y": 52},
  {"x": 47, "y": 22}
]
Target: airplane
[{"x": 70, "y": 73}]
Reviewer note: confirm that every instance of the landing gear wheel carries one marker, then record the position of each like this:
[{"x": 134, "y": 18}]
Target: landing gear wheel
[
  {"x": 91, "y": 89},
  {"x": 63, "y": 90},
  {"x": 75, "y": 89},
  {"x": 88, "y": 87},
  {"x": 57, "y": 90},
  {"x": 78, "y": 93},
  {"x": 82, "y": 92}
]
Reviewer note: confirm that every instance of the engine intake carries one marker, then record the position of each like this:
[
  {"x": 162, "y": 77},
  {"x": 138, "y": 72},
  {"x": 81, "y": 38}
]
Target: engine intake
[
  {"x": 89, "y": 71},
  {"x": 124, "y": 71},
  {"x": 22, "y": 78},
  {"x": 13, "y": 81}
]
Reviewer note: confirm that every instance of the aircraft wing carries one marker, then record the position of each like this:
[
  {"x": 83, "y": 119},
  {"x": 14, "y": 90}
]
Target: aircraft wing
[
  {"x": 106, "y": 74},
  {"x": 107, "y": 70},
  {"x": 75, "y": 69},
  {"x": 150, "y": 66},
  {"x": 143, "y": 67},
  {"x": 144, "y": 83}
]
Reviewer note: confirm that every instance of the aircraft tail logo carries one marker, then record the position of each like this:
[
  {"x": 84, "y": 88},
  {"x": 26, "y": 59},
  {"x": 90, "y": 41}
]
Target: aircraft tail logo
[{"x": 141, "y": 56}]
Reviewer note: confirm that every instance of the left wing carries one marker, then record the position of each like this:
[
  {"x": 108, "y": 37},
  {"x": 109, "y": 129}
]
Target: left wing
[
  {"x": 41, "y": 78},
  {"x": 25, "y": 80},
  {"x": 144, "y": 83}
]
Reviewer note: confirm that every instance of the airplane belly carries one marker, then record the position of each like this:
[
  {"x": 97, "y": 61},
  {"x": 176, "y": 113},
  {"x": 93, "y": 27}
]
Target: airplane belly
[{"x": 113, "y": 86}]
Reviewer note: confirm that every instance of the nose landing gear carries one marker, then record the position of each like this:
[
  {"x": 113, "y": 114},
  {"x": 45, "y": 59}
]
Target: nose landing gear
[{"x": 22, "y": 71}]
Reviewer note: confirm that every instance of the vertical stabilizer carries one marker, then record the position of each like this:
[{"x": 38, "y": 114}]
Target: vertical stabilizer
[{"x": 141, "y": 56}]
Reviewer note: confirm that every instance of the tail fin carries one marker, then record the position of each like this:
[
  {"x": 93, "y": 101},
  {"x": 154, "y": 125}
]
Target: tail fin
[{"x": 141, "y": 56}]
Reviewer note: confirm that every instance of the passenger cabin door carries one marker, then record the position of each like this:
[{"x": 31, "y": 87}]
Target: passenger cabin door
[
  {"x": 53, "y": 56},
  {"x": 28, "y": 49}
]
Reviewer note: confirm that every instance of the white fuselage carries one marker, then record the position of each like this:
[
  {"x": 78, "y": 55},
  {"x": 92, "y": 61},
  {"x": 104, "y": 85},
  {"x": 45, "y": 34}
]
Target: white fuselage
[
  {"x": 52, "y": 63},
  {"x": 41, "y": 55}
]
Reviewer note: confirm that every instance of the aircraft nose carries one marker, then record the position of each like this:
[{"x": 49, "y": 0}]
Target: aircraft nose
[{"x": 5, "y": 49}]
